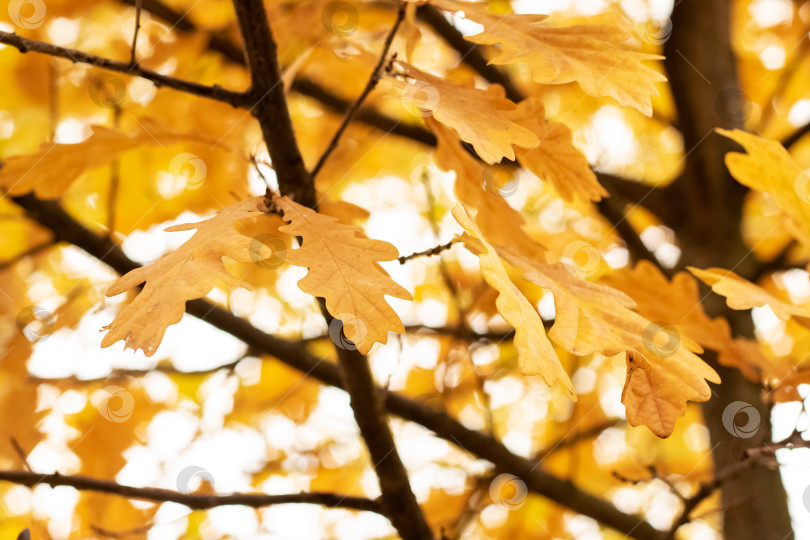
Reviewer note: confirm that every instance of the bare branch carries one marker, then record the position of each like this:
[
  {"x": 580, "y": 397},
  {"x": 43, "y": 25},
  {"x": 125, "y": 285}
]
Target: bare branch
[
  {"x": 138, "y": 8},
  {"x": 370, "y": 85},
  {"x": 269, "y": 104},
  {"x": 428, "y": 252},
  {"x": 470, "y": 52},
  {"x": 271, "y": 111},
  {"x": 217, "y": 93},
  {"x": 197, "y": 502},
  {"x": 752, "y": 457},
  {"x": 398, "y": 499}
]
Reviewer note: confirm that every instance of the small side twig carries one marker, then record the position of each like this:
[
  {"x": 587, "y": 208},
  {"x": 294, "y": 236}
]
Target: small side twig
[
  {"x": 20, "y": 452},
  {"x": 370, "y": 85},
  {"x": 752, "y": 457},
  {"x": 435, "y": 250},
  {"x": 138, "y": 6}
]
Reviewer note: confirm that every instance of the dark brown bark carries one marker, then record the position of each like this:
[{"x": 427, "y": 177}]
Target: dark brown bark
[
  {"x": 708, "y": 208},
  {"x": 269, "y": 104},
  {"x": 297, "y": 183}
]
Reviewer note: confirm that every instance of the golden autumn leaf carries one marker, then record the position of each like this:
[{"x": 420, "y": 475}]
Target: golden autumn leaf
[
  {"x": 188, "y": 272},
  {"x": 675, "y": 302},
  {"x": 769, "y": 168},
  {"x": 555, "y": 159},
  {"x": 536, "y": 356},
  {"x": 500, "y": 223},
  {"x": 742, "y": 294},
  {"x": 781, "y": 374},
  {"x": 593, "y": 56},
  {"x": 663, "y": 373},
  {"x": 344, "y": 270},
  {"x": 479, "y": 117},
  {"x": 55, "y": 166}
]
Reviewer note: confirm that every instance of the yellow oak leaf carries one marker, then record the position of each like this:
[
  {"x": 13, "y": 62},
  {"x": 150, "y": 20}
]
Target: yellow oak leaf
[
  {"x": 344, "y": 270},
  {"x": 55, "y": 166},
  {"x": 593, "y": 56},
  {"x": 675, "y": 302},
  {"x": 782, "y": 374},
  {"x": 500, "y": 223},
  {"x": 188, "y": 272},
  {"x": 663, "y": 373},
  {"x": 555, "y": 159},
  {"x": 769, "y": 168},
  {"x": 742, "y": 294},
  {"x": 479, "y": 117},
  {"x": 536, "y": 356}
]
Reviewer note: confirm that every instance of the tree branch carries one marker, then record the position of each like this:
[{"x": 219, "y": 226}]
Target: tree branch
[
  {"x": 470, "y": 52},
  {"x": 796, "y": 136},
  {"x": 752, "y": 457},
  {"x": 271, "y": 110},
  {"x": 270, "y": 104},
  {"x": 196, "y": 502},
  {"x": 398, "y": 499},
  {"x": 138, "y": 7},
  {"x": 50, "y": 215},
  {"x": 370, "y": 85},
  {"x": 217, "y": 93},
  {"x": 435, "y": 250}
]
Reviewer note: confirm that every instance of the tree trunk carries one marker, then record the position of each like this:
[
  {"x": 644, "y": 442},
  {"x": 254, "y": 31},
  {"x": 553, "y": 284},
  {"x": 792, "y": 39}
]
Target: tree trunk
[{"x": 702, "y": 71}]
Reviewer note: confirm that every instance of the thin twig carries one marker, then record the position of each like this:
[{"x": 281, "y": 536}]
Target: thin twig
[
  {"x": 435, "y": 250},
  {"x": 138, "y": 6},
  {"x": 21, "y": 453},
  {"x": 197, "y": 502},
  {"x": 217, "y": 93},
  {"x": 752, "y": 457},
  {"x": 370, "y": 85}
]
